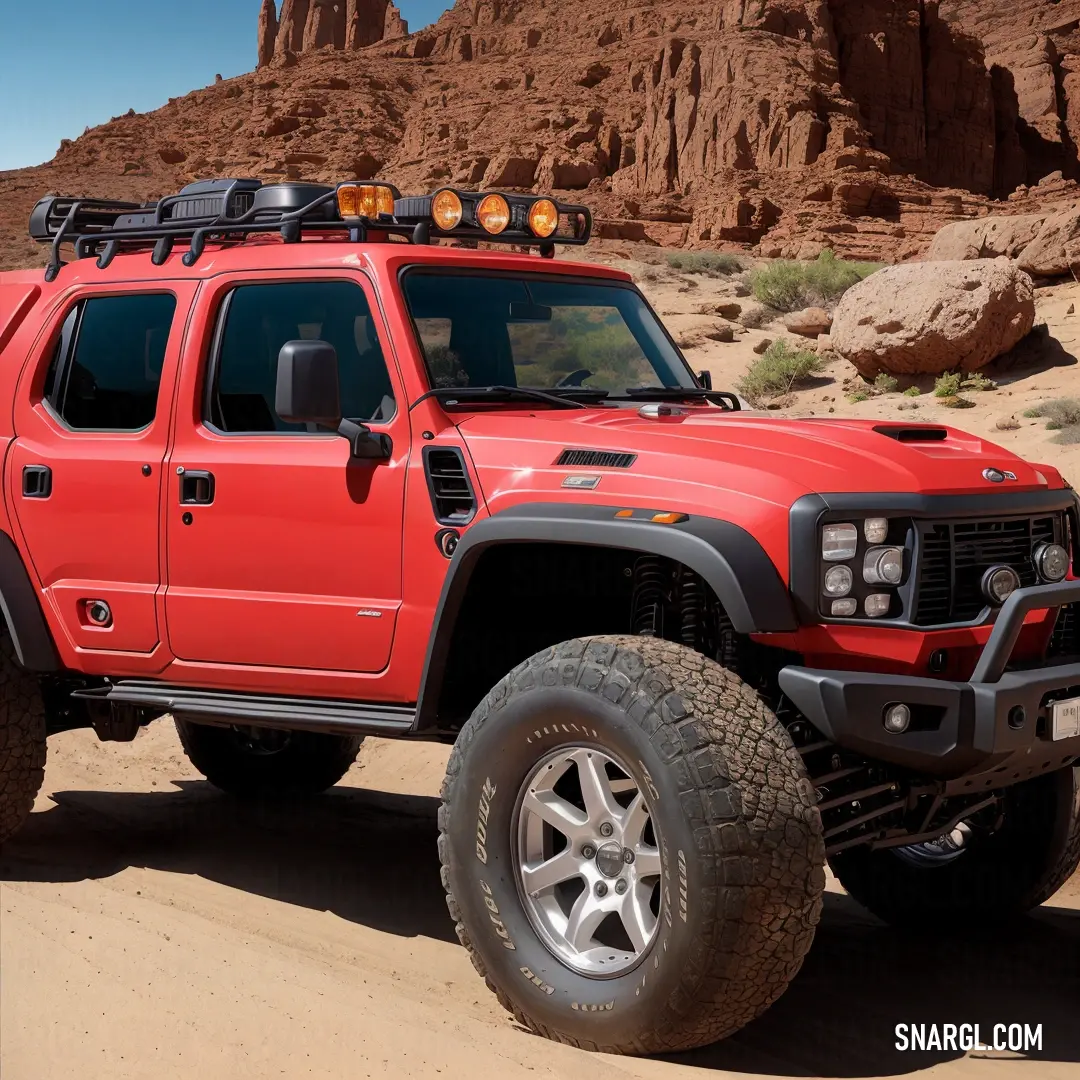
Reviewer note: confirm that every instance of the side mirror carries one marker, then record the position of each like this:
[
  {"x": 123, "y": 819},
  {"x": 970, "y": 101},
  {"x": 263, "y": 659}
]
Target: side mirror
[
  {"x": 307, "y": 384},
  {"x": 309, "y": 392},
  {"x": 705, "y": 378}
]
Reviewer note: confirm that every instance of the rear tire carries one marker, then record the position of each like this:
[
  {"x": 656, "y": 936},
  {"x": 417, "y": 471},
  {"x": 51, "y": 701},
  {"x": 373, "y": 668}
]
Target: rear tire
[
  {"x": 262, "y": 762},
  {"x": 998, "y": 876},
  {"x": 22, "y": 741},
  {"x": 730, "y": 864}
]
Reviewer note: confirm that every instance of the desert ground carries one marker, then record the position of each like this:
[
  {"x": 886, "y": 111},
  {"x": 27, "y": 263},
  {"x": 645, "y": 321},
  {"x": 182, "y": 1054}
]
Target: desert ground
[{"x": 151, "y": 927}]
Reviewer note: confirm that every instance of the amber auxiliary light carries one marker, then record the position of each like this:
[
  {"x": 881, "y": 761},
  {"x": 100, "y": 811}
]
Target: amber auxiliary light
[
  {"x": 493, "y": 214},
  {"x": 365, "y": 201},
  {"x": 446, "y": 210},
  {"x": 543, "y": 218}
]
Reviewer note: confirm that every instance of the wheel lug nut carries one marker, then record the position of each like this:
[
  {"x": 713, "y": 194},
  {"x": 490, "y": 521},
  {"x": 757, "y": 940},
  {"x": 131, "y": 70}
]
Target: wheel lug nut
[
  {"x": 627, "y": 856},
  {"x": 606, "y": 829},
  {"x": 620, "y": 886},
  {"x": 601, "y": 889},
  {"x": 588, "y": 851}
]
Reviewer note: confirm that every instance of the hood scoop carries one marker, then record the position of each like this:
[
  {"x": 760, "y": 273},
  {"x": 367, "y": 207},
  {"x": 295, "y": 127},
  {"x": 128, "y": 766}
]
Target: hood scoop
[
  {"x": 597, "y": 459},
  {"x": 913, "y": 434}
]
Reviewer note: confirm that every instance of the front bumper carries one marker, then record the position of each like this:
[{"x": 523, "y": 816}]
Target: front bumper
[{"x": 996, "y": 726}]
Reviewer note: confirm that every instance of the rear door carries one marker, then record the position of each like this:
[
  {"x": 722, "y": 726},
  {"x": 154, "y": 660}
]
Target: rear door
[
  {"x": 282, "y": 551},
  {"x": 84, "y": 474}
]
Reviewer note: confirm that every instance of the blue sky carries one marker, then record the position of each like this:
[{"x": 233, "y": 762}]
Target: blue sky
[{"x": 69, "y": 64}]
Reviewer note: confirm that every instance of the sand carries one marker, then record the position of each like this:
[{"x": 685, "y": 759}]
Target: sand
[{"x": 151, "y": 927}]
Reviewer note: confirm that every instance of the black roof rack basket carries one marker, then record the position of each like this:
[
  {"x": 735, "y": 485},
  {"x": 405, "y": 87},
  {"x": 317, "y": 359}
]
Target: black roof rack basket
[{"x": 219, "y": 210}]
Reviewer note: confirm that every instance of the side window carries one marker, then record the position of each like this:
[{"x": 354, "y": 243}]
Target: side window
[
  {"x": 258, "y": 319},
  {"x": 106, "y": 370}
]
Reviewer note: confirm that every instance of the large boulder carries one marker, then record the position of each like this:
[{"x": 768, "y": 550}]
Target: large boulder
[
  {"x": 1048, "y": 254},
  {"x": 929, "y": 318},
  {"x": 985, "y": 238}
]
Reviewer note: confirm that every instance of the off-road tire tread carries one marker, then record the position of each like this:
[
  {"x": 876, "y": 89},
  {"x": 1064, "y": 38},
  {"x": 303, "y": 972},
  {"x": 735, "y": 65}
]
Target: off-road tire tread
[
  {"x": 207, "y": 748},
  {"x": 1069, "y": 862},
  {"x": 703, "y": 717},
  {"x": 22, "y": 740}
]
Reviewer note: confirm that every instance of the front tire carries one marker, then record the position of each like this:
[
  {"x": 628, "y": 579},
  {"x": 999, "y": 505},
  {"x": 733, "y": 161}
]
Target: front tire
[
  {"x": 22, "y": 741},
  {"x": 997, "y": 876},
  {"x": 587, "y": 738},
  {"x": 264, "y": 763}
]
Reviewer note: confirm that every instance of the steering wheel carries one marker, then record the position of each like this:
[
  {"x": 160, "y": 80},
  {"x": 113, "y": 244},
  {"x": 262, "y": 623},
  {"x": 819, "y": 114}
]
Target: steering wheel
[{"x": 575, "y": 378}]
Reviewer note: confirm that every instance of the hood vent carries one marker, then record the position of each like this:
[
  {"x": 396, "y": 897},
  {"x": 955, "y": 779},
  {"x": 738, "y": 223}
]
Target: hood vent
[
  {"x": 597, "y": 459},
  {"x": 913, "y": 434},
  {"x": 452, "y": 494}
]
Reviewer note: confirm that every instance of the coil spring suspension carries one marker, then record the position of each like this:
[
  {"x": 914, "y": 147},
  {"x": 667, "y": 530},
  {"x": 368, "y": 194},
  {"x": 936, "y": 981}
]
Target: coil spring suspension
[{"x": 650, "y": 595}]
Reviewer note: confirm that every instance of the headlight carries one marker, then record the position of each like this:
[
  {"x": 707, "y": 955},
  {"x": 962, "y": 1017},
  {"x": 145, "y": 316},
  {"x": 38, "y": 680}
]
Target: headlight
[
  {"x": 876, "y": 530},
  {"x": 839, "y": 542},
  {"x": 883, "y": 566},
  {"x": 877, "y": 605},
  {"x": 838, "y": 581},
  {"x": 1052, "y": 561}
]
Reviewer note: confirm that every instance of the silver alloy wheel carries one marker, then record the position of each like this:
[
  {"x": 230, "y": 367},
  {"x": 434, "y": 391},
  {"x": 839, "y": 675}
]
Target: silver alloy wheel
[
  {"x": 588, "y": 861},
  {"x": 940, "y": 852}
]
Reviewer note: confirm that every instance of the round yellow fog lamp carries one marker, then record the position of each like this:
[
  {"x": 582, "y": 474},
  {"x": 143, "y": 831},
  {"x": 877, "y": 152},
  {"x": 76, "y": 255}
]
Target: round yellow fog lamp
[
  {"x": 446, "y": 210},
  {"x": 543, "y": 218},
  {"x": 493, "y": 213}
]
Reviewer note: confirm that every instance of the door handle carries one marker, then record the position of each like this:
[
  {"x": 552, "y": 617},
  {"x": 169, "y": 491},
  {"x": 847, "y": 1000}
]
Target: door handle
[
  {"x": 196, "y": 488},
  {"x": 36, "y": 481}
]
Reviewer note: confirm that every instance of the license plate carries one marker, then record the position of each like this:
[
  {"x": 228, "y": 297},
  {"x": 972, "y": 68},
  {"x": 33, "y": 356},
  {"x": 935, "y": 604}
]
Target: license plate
[{"x": 1065, "y": 719}]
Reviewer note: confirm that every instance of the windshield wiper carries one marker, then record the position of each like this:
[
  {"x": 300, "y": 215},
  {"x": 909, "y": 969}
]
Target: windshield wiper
[
  {"x": 451, "y": 395},
  {"x": 678, "y": 393}
]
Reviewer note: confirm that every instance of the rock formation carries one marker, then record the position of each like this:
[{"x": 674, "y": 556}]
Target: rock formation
[
  {"x": 306, "y": 25},
  {"x": 929, "y": 318},
  {"x": 784, "y": 126}
]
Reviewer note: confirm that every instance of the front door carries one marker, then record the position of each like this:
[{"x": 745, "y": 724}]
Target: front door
[
  {"x": 84, "y": 475},
  {"x": 282, "y": 551}
]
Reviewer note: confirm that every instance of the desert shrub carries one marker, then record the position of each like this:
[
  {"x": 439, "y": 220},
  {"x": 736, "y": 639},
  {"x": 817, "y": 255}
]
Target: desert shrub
[
  {"x": 885, "y": 383},
  {"x": 778, "y": 371},
  {"x": 912, "y": 391},
  {"x": 790, "y": 285},
  {"x": 1068, "y": 436},
  {"x": 710, "y": 263},
  {"x": 948, "y": 385},
  {"x": 1059, "y": 414},
  {"x": 859, "y": 395}
]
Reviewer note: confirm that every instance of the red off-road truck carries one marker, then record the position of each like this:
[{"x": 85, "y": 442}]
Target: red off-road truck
[{"x": 282, "y": 467}]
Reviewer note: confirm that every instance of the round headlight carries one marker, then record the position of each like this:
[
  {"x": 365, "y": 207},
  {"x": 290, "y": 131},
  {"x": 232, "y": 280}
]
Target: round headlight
[
  {"x": 838, "y": 581},
  {"x": 883, "y": 566},
  {"x": 446, "y": 210},
  {"x": 999, "y": 583},
  {"x": 543, "y": 218},
  {"x": 1052, "y": 561}
]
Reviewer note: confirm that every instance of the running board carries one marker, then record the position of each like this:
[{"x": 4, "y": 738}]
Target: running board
[{"x": 226, "y": 708}]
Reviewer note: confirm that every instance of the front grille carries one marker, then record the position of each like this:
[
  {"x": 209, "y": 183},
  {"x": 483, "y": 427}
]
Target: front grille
[
  {"x": 1065, "y": 640},
  {"x": 955, "y": 555}
]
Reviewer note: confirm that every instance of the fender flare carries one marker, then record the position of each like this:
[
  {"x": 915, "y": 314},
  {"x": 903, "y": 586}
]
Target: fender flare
[
  {"x": 26, "y": 623},
  {"x": 726, "y": 556}
]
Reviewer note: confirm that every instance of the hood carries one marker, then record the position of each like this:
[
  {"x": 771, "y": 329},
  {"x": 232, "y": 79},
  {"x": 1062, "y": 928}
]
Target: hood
[{"x": 708, "y": 460}]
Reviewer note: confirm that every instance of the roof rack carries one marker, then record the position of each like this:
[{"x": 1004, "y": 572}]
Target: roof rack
[{"x": 215, "y": 211}]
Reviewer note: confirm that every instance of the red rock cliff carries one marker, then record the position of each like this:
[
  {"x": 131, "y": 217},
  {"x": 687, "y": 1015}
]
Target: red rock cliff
[{"x": 306, "y": 25}]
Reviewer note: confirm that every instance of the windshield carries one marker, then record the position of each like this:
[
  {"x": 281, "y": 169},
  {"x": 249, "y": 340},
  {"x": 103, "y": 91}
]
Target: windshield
[{"x": 498, "y": 329}]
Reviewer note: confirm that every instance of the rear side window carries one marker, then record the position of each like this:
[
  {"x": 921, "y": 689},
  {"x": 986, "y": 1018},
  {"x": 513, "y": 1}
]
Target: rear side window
[
  {"x": 256, "y": 320},
  {"x": 106, "y": 370}
]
